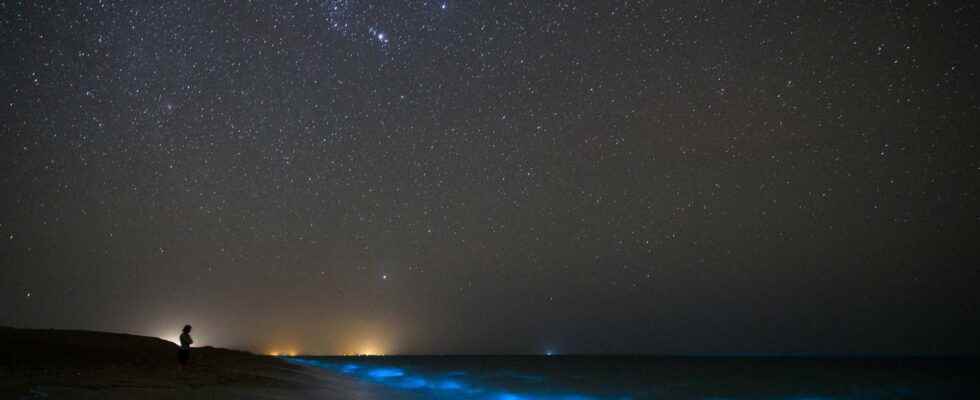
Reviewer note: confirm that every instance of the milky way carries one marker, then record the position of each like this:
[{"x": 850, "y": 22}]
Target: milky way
[{"x": 490, "y": 176}]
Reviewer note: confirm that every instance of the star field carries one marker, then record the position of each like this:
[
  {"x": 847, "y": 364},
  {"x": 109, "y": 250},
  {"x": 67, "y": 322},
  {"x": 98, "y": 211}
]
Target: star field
[{"x": 489, "y": 176}]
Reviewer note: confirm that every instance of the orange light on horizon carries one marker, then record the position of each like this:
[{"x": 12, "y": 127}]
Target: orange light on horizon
[
  {"x": 283, "y": 353},
  {"x": 370, "y": 350}
]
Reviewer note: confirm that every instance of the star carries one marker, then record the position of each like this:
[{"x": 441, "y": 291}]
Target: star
[{"x": 379, "y": 35}]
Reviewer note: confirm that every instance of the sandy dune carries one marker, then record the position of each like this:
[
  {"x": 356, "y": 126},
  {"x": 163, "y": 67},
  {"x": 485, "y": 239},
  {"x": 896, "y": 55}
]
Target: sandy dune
[{"x": 56, "y": 364}]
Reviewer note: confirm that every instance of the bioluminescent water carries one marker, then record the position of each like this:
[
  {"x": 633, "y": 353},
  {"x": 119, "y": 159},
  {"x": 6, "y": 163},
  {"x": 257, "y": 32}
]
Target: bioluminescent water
[
  {"x": 602, "y": 378},
  {"x": 451, "y": 384}
]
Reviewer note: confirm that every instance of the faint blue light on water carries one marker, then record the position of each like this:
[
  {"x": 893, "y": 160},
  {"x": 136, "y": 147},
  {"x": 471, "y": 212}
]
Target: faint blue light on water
[
  {"x": 348, "y": 368},
  {"x": 385, "y": 373},
  {"x": 413, "y": 383},
  {"x": 448, "y": 384},
  {"x": 523, "y": 377}
]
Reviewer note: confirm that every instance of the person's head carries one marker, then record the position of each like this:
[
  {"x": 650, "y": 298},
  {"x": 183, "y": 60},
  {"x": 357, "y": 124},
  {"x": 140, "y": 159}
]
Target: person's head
[{"x": 187, "y": 328}]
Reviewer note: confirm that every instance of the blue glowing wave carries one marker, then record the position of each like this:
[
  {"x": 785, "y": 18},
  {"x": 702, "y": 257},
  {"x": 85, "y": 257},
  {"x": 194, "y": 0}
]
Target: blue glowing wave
[
  {"x": 510, "y": 385},
  {"x": 452, "y": 384}
]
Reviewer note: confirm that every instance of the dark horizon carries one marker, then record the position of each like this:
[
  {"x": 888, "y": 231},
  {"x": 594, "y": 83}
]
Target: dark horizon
[
  {"x": 347, "y": 176},
  {"x": 811, "y": 356}
]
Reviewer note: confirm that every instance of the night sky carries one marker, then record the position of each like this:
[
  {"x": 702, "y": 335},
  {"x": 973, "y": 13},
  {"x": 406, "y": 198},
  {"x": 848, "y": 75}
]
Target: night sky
[{"x": 345, "y": 176}]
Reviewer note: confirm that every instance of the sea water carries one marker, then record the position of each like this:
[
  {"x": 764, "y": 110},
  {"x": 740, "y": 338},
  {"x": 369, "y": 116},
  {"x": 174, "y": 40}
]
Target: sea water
[{"x": 639, "y": 377}]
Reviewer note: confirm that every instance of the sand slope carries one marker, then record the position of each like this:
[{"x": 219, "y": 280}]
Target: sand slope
[{"x": 55, "y": 364}]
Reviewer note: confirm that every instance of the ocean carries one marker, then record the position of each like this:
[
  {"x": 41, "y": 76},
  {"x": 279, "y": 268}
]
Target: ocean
[{"x": 647, "y": 377}]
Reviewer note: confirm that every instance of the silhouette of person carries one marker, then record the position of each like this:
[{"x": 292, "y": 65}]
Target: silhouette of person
[{"x": 184, "y": 353}]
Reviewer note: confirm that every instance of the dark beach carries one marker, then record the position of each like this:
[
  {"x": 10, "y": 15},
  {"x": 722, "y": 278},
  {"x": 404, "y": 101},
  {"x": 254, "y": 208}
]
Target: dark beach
[{"x": 43, "y": 363}]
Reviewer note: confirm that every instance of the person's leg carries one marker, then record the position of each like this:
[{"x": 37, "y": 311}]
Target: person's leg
[{"x": 182, "y": 357}]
